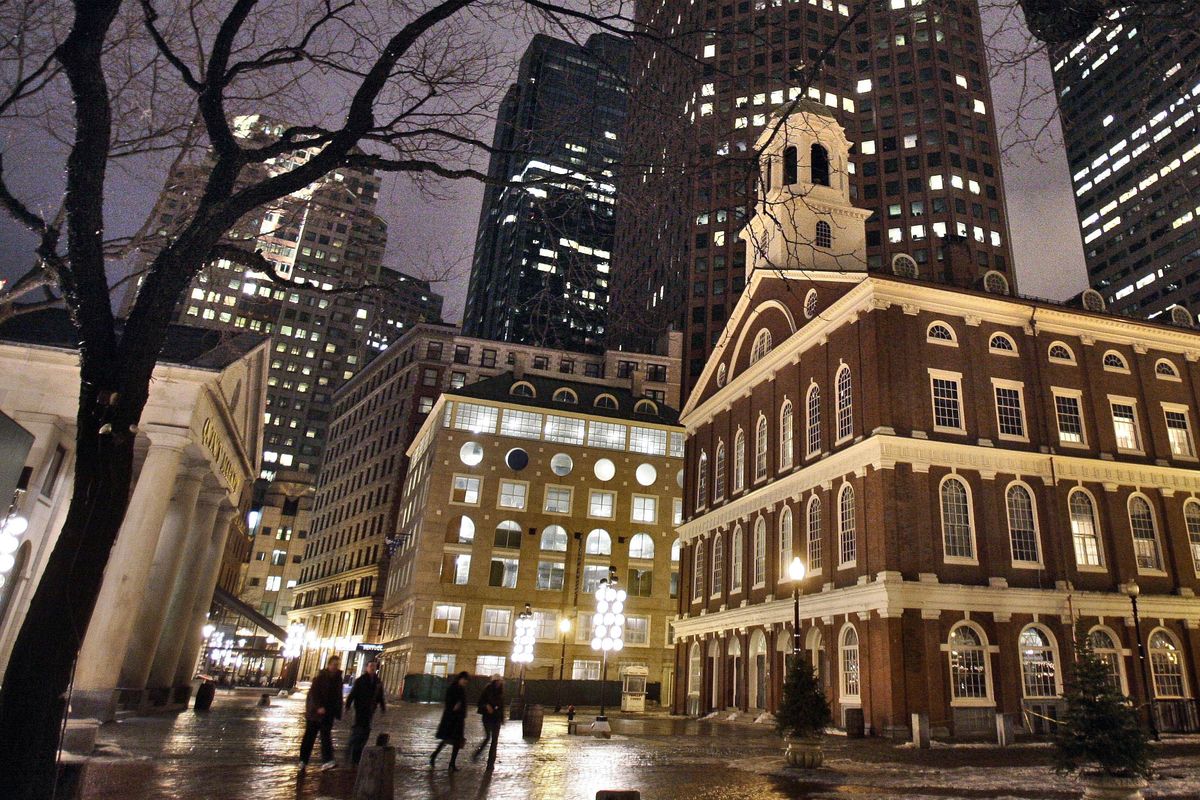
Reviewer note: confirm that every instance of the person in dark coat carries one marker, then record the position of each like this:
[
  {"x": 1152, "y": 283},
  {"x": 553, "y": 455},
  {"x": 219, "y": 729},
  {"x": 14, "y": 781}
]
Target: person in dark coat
[
  {"x": 322, "y": 707},
  {"x": 365, "y": 695},
  {"x": 491, "y": 709},
  {"x": 452, "y": 728}
]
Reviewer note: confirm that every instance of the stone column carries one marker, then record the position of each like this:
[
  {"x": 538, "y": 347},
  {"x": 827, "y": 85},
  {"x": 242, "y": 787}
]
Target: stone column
[
  {"x": 202, "y": 599},
  {"x": 177, "y": 527},
  {"x": 124, "y": 587}
]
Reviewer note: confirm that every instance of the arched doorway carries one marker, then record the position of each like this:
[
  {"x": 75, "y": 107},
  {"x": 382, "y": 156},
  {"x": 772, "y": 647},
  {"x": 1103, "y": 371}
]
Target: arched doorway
[
  {"x": 736, "y": 671},
  {"x": 714, "y": 676},
  {"x": 759, "y": 671},
  {"x": 694, "y": 680}
]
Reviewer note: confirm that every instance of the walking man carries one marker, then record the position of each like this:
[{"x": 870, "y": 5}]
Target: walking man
[
  {"x": 491, "y": 709},
  {"x": 322, "y": 707},
  {"x": 365, "y": 695}
]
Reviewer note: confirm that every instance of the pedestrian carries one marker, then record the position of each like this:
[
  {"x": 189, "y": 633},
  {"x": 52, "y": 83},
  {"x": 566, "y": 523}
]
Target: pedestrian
[
  {"x": 365, "y": 695},
  {"x": 452, "y": 728},
  {"x": 491, "y": 709},
  {"x": 322, "y": 708}
]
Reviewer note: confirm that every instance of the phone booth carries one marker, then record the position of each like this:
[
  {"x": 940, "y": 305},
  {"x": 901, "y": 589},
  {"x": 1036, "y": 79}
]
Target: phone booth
[{"x": 633, "y": 688}]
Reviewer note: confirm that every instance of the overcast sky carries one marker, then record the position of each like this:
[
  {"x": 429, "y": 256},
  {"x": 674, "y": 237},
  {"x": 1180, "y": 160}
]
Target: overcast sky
[{"x": 427, "y": 235}]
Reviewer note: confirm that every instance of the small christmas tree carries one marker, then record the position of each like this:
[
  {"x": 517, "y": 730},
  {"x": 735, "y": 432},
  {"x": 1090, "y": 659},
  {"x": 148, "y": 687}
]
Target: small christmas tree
[
  {"x": 803, "y": 709},
  {"x": 1100, "y": 726}
]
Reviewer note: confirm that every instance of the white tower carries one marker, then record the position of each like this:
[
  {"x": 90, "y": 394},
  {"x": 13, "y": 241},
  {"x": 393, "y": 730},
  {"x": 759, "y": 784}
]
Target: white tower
[{"x": 803, "y": 218}]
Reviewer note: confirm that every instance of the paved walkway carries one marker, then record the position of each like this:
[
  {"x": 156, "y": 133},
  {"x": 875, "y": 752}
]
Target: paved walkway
[{"x": 240, "y": 752}]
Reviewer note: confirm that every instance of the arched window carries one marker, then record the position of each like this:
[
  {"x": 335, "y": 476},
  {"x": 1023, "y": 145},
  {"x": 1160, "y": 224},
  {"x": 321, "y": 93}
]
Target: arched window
[
  {"x": 1166, "y": 665},
  {"x": 813, "y": 435},
  {"x": 940, "y": 333},
  {"x": 1145, "y": 534},
  {"x": 970, "y": 678},
  {"x": 1165, "y": 369},
  {"x": 645, "y": 407},
  {"x": 522, "y": 389},
  {"x": 641, "y": 546},
  {"x": 698, "y": 571},
  {"x": 1061, "y": 353},
  {"x": 719, "y": 472},
  {"x": 958, "y": 535},
  {"x": 785, "y": 542},
  {"x": 1191, "y": 517},
  {"x": 721, "y": 376},
  {"x": 508, "y": 534},
  {"x": 676, "y": 547},
  {"x": 738, "y": 545},
  {"x": 760, "y": 552},
  {"x": 760, "y": 448},
  {"x": 1039, "y": 663},
  {"x": 1104, "y": 646},
  {"x": 1084, "y": 530},
  {"x": 1002, "y": 343},
  {"x": 824, "y": 235},
  {"x": 851, "y": 687},
  {"x": 786, "y": 435},
  {"x": 554, "y": 538},
  {"x": 1115, "y": 361},
  {"x": 701, "y": 479},
  {"x": 1022, "y": 525},
  {"x": 790, "y": 172},
  {"x": 606, "y": 401},
  {"x": 847, "y": 533},
  {"x": 845, "y": 404},
  {"x": 694, "y": 664},
  {"x": 762, "y": 345},
  {"x": 565, "y": 396},
  {"x": 718, "y": 565},
  {"x": 820, "y": 164},
  {"x": 815, "y": 549},
  {"x": 598, "y": 543},
  {"x": 461, "y": 530},
  {"x": 739, "y": 461}
]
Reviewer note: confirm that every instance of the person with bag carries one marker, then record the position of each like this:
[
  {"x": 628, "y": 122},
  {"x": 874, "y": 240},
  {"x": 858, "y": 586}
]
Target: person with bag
[
  {"x": 452, "y": 727},
  {"x": 365, "y": 695},
  {"x": 491, "y": 710},
  {"x": 322, "y": 708}
]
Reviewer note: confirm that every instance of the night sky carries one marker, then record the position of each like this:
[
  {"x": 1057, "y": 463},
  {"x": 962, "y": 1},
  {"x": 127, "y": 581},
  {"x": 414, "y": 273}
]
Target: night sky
[{"x": 434, "y": 236}]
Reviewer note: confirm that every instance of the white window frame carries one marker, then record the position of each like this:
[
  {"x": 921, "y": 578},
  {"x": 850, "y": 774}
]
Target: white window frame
[
  {"x": 629, "y": 641},
  {"x": 546, "y": 499},
  {"x": 562, "y": 570},
  {"x": 841, "y": 526},
  {"x": 483, "y": 614},
  {"x": 951, "y": 342},
  {"x": 844, "y": 685},
  {"x": 636, "y": 515},
  {"x": 1054, "y": 649},
  {"x": 956, "y": 378},
  {"x": 462, "y": 613},
  {"x": 468, "y": 478},
  {"x": 1123, "y": 370},
  {"x": 999, "y": 352},
  {"x": 1192, "y": 525},
  {"x": 1019, "y": 388},
  {"x": 968, "y": 702},
  {"x": 738, "y": 483},
  {"x": 1160, "y": 563},
  {"x": 787, "y": 539},
  {"x": 1072, "y": 361},
  {"x": 601, "y": 495},
  {"x": 1102, "y": 566},
  {"x": 1076, "y": 395},
  {"x": 787, "y": 435},
  {"x": 1117, "y": 652},
  {"x": 812, "y": 422},
  {"x": 1179, "y": 408},
  {"x": 702, "y": 480},
  {"x": 973, "y": 559},
  {"x": 508, "y": 484},
  {"x": 1115, "y": 400},
  {"x": 758, "y": 554},
  {"x": 1037, "y": 528},
  {"x": 762, "y": 449},
  {"x": 848, "y": 408},
  {"x": 814, "y": 544},
  {"x": 719, "y": 471},
  {"x": 716, "y": 566},
  {"x": 1174, "y": 376}
]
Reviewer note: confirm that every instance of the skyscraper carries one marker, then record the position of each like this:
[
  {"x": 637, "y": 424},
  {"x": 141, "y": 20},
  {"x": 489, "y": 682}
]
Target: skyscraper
[
  {"x": 908, "y": 82},
  {"x": 1129, "y": 92},
  {"x": 541, "y": 265}
]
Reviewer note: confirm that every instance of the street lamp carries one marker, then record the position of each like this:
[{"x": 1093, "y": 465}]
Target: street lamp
[
  {"x": 1133, "y": 590},
  {"x": 608, "y": 634},
  {"x": 564, "y": 627},
  {"x": 796, "y": 573},
  {"x": 522, "y": 653}
]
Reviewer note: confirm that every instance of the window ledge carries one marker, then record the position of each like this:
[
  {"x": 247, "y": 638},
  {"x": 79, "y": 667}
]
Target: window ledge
[
  {"x": 848, "y": 565},
  {"x": 955, "y": 431},
  {"x": 1008, "y": 437},
  {"x": 963, "y": 560},
  {"x": 1154, "y": 573},
  {"x": 1092, "y": 568},
  {"x": 1073, "y": 445},
  {"x": 1028, "y": 565}
]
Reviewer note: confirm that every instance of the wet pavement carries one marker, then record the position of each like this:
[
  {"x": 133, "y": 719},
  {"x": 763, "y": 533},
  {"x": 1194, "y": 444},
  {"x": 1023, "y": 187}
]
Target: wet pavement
[{"x": 239, "y": 751}]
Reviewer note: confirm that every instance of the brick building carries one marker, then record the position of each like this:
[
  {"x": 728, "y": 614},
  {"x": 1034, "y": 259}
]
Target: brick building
[{"x": 967, "y": 474}]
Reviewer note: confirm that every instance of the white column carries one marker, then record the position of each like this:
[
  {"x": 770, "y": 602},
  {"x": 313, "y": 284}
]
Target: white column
[
  {"x": 124, "y": 586},
  {"x": 168, "y": 556},
  {"x": 211, "y": 570},
  {"x": 178, "y": 612}
]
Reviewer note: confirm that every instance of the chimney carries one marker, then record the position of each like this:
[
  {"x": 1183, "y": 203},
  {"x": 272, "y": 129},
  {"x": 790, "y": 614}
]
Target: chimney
[
  {"x": 518, "y": 365},
  {"x": 636, "y": 382}
]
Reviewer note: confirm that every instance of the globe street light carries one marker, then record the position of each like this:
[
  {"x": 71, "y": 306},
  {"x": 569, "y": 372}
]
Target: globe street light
[
  {"x": 608, "y": 634},
  {"x": 796, "y": 573},
  {"x": 523, "y": 638},
  {"x": 1132, "y": 590}
]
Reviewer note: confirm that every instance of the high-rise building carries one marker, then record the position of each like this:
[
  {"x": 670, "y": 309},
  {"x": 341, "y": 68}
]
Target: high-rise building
[
  {"x": 1129, "y": 92},
  {"x": 540, "y": 273},
  {"x": 907, "y": 81}
]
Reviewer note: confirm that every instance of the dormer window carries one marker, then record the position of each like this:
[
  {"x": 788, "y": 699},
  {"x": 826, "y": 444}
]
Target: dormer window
[
  {"x": 824, "y": 237},
  {"x": 565, "y": 396},
  {"x": 646, "y": 407},
  {"x": 820, "y": 165},
  {"x": 522, "y": 390},
  {"x": 606, "y": 401},
  {"x": 790, "y": 171}
]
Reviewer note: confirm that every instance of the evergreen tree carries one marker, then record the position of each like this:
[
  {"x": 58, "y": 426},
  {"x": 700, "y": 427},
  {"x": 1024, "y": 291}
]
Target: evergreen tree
[
  {"x": 1100, "y": 726},
  {"x": 803, "y": 709}
]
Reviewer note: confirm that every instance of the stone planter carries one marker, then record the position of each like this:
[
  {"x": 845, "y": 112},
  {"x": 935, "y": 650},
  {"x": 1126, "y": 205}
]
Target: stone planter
[
  {"x": 1102, "y": 786},
  {"x": 805, "y": 753}
]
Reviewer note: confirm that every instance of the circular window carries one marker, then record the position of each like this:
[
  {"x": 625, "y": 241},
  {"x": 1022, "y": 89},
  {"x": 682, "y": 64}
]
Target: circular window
[
  {"x": 605, "y": 469},
  {"x": 646, "y": 474},
  {"x": 471, "y": 453},
  {"x": 561, "y": 464},
  {"x": 679, "y": 478},
  {"x": 517, "y": 459}
]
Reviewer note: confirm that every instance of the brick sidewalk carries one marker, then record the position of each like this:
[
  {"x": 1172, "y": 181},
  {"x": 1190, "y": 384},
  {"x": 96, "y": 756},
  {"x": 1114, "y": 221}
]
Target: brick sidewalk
[{"x": 241, "y": 752}]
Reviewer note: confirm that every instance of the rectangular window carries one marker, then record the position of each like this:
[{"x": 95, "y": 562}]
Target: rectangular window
[
  {"x": 53, "y": 471},
  {"x": 508, "y": 535},
  {"x": 457, "y": 568},
  {"x": 475, "y": 418},
  {"x": 273, "y": 583},
  {"x": 545, "y": 626},
  {"x": 648, "y": 440},
  {"x": 433, "y": 351},
  {"x": 278, "y": 557},
  {"x": 585, "y": 669},
  {"x": 424, "y": 405},
  {"x": 466, "y": 490},
  {"x": 429, "y": 377},
  {"x": 558, "y": 500},
  {"x": 458, "y": 380},
  {"x": 487, "y": 358},
  {"x": 637, "y": 630},
  {"x": 1010, "y": 416},
  {"x": 462, "y": 354},
  {"x": 1125, "y": 427},
  {"x": 608, "y": 435},
  {"x": 947, "y": 403},
  {"x": 447, "y": 620},
  {"x": 489, "y": 665},
  {"x": 512, "y": 494},
  {"x": 503, "y": 573},
  {"x": 640, "y": 582},
  {"x": 521, "y": 424},
  {"x": 645, "y": 508},
  {"x": 601, "y": 504},
  {"x": 592, "y": 575},
  {"x": 550, "y": 575},
  {"x": 1070, "y": 418},
  {"x": 496, "y": 622},
  {"x": 1179, "y": 432},
  {"x": 676, "y": 445},
  {"x": 440, "y": 664},
  {"x": 564, "y": 430}
]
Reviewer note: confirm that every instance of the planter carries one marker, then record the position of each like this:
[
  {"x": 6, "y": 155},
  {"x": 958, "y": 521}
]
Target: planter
[
  {"x": 805, "y": 753},
  {"x": 1102, "y": 786}
]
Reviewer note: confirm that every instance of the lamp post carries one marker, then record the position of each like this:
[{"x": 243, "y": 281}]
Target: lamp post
[
  {"x": 522, "y": 653},
  {"x": 608, "y": 634},
  {"x": 564, "y": 627},
  {"x": 1133, "y": 590},
  {"x": 796, "y": 573}
]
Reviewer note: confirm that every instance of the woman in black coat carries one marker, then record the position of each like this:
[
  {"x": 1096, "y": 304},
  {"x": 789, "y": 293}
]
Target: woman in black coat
[{"x": 452, "y": 729}]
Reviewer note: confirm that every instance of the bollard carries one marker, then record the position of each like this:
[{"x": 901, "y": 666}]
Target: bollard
[
  {"x": 920, "y": 731},
  {"x": 618, "y": 794},
  {"x": 376, "y": 772},
  {"x": 204, "y": 696},
  {"x": 264, "y": 700}
]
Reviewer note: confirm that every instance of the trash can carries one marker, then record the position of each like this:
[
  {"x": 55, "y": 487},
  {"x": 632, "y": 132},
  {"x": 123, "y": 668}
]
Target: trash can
[
  {"x": 531, "y": 723},
  {"x": 855, "y": 727},
  {"x": 204, "y": 696}
]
